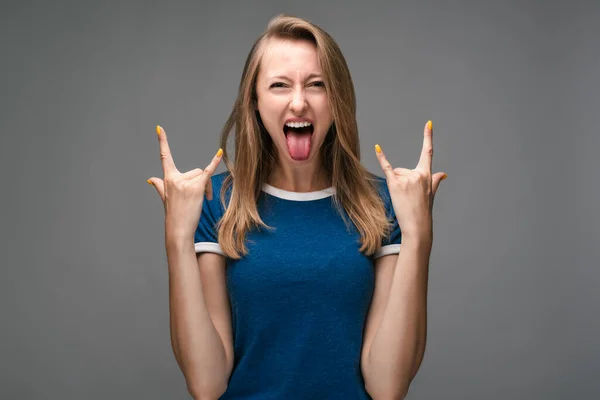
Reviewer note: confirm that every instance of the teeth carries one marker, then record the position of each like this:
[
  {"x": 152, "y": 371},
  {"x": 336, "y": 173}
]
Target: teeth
[{"x": 298, "y": 124}]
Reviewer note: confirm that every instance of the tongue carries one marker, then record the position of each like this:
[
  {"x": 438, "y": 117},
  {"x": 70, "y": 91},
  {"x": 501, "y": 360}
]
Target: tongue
[{"x": 299, "y": 144}]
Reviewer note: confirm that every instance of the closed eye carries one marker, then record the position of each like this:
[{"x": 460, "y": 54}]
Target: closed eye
[{"x": 281, "y": 84}]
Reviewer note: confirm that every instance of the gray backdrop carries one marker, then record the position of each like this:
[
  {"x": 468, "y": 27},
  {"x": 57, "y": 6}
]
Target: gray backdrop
[{"x": 511, "y": 87}]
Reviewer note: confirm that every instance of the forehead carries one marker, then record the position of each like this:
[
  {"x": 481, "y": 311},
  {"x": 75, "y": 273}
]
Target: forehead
[{"x": 293, "y": 58}]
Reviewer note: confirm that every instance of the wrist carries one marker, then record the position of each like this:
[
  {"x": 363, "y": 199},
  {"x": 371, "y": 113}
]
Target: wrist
[
  {"x": 178, "y": 239},
  {"x": 418, "y": 236},
  {"x": 177, "y": 231},
  {"x": 422, "y": 230}
]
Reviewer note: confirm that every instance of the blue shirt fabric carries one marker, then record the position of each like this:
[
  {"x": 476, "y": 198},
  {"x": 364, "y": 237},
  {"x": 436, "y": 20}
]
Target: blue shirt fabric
[{"x": 300, "y": 298}]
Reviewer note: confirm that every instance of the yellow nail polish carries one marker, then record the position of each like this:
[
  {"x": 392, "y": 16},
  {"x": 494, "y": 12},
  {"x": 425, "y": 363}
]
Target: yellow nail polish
[
  {"x": 219, "y": 152},
  {"x": 444, "y": 177},
  {"x": 158, "y": 129},
  {"x": 429, "y": 125},
  {"x": 377, "y": 148},
  {"x": 150, "y": 182}
]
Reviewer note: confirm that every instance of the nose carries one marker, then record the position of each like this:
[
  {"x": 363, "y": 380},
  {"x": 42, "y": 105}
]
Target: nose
[{"x": 298, "y": 102}]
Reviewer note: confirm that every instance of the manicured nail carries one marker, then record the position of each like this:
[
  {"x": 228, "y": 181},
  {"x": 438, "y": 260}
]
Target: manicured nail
[
  {"x": 377, "y": 148},
  {"x": 219, "y": 152},
  {"x": 150, "y": 182},
  {"x": 429, "y": 125},
  {"x": 158, "y": 130},
  {"x": 444, "y": 177}
]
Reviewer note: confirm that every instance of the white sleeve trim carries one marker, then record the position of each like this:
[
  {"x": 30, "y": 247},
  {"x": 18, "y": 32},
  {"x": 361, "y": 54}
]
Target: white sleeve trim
[
  {"x": 208, "y": 247},
  {"x": 389, "y": 249}
]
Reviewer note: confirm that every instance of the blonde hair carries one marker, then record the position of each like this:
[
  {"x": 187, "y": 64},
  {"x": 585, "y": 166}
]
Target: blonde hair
[{"x": 356, "y": 192}]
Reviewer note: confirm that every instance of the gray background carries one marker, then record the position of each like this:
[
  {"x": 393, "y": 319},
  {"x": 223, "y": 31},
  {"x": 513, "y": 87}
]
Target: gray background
[{"x": 511, "y": 87}]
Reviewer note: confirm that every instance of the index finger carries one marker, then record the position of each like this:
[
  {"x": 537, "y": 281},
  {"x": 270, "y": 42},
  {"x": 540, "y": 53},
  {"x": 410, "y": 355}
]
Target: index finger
[
  {"x": 427, "y": 151},
  {"x": 165, "y": 152}
]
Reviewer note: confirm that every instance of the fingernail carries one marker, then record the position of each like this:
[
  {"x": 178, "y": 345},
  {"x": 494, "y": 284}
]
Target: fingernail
[
  {"x": 444, "y": 177},
  {"x": 219, "y": 152},
  {"x": 429, "y": 124},
  {"x": 377, "y": 148},
  {"x": 158, "y": 129},
  {"x": 150, "y": 182}
]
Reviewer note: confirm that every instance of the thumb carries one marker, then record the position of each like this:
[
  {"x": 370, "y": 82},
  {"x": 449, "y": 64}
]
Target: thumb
[
  {"x": 436, "y": 179},
  {"x": 159, "y": 186}
]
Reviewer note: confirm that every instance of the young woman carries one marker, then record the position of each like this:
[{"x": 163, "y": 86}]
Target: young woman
[{"x": 286, "y": 279}]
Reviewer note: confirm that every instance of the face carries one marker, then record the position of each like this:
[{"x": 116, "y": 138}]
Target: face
[{"x": 291, "y": 94}]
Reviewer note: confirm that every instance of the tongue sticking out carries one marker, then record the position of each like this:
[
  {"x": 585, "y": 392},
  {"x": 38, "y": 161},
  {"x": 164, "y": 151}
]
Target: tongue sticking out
[{"x": 298, "y": 142}]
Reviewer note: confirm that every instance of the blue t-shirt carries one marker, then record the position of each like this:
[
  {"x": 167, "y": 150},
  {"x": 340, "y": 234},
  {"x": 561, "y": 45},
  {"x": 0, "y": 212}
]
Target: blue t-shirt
[{"x": 300, "y": 298}]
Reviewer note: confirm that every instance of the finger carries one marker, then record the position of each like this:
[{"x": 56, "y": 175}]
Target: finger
[
  {"x": 192, "y": 174},
  {"x": 436, "y": 179},
  {"x": 159, "y": 186},
  {"x": 385, "y": 165},
  {"x": 402, "y": 171},
  {"x": 427, "y": 151},
  {"x": 208, "y": 172},
  {"x": 165, "y": 152}
]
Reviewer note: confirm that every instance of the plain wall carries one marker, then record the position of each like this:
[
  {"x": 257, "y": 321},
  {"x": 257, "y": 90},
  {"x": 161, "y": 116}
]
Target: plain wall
[{"x": 511, "y": 87}]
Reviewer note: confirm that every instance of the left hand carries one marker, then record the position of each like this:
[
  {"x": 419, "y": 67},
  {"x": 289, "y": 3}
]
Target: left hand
[{"x": 412, "y": 190}]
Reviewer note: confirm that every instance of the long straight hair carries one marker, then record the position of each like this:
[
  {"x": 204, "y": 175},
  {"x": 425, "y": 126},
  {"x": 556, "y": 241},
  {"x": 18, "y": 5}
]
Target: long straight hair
[{"x": 356, "y": 191}]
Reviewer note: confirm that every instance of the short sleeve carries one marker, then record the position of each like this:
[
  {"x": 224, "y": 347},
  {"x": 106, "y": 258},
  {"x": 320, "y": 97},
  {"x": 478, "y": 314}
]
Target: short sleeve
[
  {"x": 391, "y": 243},
  {"x": 206, "y": 237}
]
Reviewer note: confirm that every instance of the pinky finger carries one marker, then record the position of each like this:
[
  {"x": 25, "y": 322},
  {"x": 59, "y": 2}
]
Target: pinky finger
[
  {"x": 385, "y": 165},
  {"x": 208, "y": 171}
]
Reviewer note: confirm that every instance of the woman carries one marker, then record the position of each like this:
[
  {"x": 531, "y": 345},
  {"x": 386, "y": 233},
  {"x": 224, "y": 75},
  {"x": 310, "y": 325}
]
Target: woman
[{"x": 292, "y": 284}]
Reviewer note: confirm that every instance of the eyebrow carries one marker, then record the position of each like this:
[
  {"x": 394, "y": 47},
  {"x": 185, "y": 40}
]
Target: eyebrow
[{"x": 287, "y": 78}]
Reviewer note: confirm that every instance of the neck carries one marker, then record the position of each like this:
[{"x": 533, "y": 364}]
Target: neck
[{"x": 304, "y": 178}]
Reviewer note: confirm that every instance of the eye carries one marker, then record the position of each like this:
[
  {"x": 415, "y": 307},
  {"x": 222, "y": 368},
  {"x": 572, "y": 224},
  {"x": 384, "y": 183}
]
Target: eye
[
  {"x": 318, "y": 84},
  {"x": 277, "y": 85}
]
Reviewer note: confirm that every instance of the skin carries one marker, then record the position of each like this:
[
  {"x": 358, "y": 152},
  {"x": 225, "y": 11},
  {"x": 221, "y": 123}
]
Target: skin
[{"x": 289, "y": 85}]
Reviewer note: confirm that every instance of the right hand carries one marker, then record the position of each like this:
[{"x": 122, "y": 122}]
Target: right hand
[{"x": 182, "y": 194}]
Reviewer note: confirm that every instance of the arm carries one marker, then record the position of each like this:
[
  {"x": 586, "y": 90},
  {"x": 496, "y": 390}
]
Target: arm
[
  {"x": 197, "y": 345},
  {"x": 397, "y": 347}
]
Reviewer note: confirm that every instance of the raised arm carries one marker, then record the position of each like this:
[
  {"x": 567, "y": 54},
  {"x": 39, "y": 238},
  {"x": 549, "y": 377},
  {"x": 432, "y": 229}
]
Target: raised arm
[{"x": 197, "y": 344}]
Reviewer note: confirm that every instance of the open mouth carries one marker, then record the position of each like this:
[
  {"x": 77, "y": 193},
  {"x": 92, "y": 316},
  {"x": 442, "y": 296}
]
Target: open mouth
[
  {"x": 299, "y": 128},
  {"x": 298, "y": 138}
]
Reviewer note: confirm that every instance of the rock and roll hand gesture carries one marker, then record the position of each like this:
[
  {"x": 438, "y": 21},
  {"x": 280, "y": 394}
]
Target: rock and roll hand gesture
[
  {"x": 182, "y": 193},
  {"x": 412, "y": 190}
]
